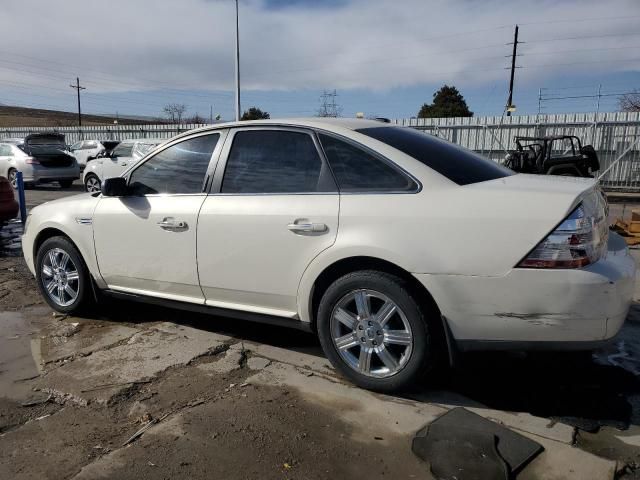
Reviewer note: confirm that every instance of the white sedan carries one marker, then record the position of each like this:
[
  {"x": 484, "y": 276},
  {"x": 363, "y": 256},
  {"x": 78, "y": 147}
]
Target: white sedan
[{"x": 394, "y": 246}]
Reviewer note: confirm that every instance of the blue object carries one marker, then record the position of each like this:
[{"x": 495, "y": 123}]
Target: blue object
[{"x": 21, "y": 199}]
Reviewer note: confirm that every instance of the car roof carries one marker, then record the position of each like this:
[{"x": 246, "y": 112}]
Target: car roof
[
  {"x": 337, "y": 125},
  {"x": 315, "y": 122}
]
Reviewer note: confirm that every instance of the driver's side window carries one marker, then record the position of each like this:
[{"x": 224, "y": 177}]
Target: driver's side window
[{"x": 179, "y": 169}]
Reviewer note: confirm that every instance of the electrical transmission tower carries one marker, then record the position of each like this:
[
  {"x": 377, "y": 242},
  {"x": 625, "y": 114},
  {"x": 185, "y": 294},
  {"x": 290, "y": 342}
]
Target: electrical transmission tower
[{"x": 328, "y": 105}]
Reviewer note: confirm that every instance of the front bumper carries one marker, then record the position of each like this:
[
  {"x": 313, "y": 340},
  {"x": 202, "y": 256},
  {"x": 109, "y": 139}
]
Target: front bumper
[{"x": 535, "y": 307}]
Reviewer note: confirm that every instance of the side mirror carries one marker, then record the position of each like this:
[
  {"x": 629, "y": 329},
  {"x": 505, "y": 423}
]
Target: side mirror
[{"x": 114, "y": 187}]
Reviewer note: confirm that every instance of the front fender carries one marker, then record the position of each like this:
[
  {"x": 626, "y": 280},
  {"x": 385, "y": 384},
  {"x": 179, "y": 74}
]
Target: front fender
[{"x": 74, "y": 219}]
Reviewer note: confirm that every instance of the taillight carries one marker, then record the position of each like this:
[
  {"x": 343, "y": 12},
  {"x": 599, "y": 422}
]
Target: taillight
[
  {"x": 581, "y": 239},
  {"x": 31, "y": 161}
]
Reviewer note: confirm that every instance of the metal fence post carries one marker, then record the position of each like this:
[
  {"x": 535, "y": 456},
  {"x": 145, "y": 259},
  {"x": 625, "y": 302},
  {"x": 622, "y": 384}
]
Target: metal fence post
[{"x": 21, "y": 199}]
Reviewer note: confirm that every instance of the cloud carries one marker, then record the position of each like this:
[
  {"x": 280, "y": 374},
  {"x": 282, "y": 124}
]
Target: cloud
[{"x": 125, "y": 45}]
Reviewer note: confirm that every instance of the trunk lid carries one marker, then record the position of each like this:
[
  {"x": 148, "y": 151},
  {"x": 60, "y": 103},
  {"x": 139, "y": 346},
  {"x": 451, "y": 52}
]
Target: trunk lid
[
  {"x": 49, "y": 149},
  {"x": 513, "y": 215}
]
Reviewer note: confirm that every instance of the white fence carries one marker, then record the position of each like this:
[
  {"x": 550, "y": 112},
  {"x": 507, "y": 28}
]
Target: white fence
[{"x": 615, "y": 136}]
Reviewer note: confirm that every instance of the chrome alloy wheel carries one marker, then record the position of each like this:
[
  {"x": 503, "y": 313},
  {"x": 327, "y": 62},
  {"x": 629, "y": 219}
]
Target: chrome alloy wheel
[
  {"x": 371, "y": 333},
  {"x": 92, "y": 184},
  {"x": 60, "y": 277}
]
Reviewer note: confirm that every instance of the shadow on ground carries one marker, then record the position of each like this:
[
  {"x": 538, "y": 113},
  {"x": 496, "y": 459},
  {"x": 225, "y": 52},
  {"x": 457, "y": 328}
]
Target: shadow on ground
[{"x": 572, "y": 387}]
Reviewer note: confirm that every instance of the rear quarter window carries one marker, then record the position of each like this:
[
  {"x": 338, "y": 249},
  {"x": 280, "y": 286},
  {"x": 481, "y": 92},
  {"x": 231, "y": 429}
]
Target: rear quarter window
[{"x": 458, "y": 164}]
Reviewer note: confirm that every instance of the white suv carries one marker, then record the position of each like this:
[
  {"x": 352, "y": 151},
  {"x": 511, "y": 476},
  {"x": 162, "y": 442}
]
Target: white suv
[
  {"x": 392, "y": 245},
  {"x": 125, "y": 154},
  {"x": 84, "y": 149}
]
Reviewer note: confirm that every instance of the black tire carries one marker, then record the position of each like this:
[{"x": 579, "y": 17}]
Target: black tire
[
  {"x": 85, "y": 299},
  {"x": 11, "y": 176},
  {"x": 420, "y": 359},
  {"x": 90, "y": 177},
  {"x": 65, "y": 183}
]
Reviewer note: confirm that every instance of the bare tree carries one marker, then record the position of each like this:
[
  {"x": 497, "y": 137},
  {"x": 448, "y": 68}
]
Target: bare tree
[
  {"x": 174, "y": 111},
  {"x": 196, "y": 118},
  {"x": 630, "y": 102}
]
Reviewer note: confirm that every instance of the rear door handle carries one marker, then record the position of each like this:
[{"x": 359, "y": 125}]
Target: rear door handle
[
  {"x": 307, "y": 227},
  {"x": 169, "y": 223}
]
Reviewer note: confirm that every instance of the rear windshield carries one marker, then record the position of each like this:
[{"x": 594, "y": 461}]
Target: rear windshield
[{"x": 458, "y": 164}]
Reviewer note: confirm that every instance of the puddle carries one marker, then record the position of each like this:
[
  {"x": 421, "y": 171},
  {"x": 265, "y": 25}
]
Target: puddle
[
  {"x": 10, "y": 243},
  {"x": 19, "y": 354}
]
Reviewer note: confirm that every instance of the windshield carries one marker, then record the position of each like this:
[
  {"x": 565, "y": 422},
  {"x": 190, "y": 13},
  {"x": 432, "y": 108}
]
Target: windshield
[
  {"x": 141, "y": 149},
  {"x": 458, "y": 164}
]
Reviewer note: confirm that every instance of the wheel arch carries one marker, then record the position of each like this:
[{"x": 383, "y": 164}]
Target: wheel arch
[
  {"x": 85, "y": 250},
  {"x": 350, "y": 264}
]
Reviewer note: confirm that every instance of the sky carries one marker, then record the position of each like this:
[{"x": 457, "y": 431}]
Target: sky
[{"x": 383, "y": 57}]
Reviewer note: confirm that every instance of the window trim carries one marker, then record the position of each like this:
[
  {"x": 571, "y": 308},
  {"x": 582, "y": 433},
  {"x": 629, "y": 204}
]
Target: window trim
[
  {"x": 210, "y": 168},
  {"x": 218, "y": 176},
  {"x": 373, "y": 153}
]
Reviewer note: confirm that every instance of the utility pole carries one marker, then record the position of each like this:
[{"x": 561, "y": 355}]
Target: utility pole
[
  {"x": 238, "y": 113},
  {"x": 210, "y": 113},
  {"x": 78, "y": 88},
  {"x": 513, "y": 72}
]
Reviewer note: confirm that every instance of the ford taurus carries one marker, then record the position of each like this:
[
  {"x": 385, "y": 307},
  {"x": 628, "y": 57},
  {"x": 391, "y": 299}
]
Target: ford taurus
[{"x": 392, "y": 245}]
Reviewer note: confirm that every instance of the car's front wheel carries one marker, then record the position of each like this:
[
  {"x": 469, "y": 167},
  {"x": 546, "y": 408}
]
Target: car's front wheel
[
  {"x": 374, "y": 331},
  {"x": 13, "y": 178},
  {"x": 92, "y": 183},
  {"x": 62, "y": 276}
]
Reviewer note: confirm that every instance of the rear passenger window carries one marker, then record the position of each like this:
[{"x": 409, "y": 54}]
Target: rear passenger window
[
  {"x": 181, "y": 168},
  {"x": 272, "y": 161},
  {"x": 356, "y": 170}
]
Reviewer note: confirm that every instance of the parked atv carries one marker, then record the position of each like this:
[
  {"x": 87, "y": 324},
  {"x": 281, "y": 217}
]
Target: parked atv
[{"x": 557, "y": 155}]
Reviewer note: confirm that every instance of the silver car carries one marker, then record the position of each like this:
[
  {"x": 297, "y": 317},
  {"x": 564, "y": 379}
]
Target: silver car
[{"x": 41, "y": 157}]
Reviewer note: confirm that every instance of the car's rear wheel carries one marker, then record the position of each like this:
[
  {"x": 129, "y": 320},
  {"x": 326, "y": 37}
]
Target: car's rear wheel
[
  {"x": 65, "y": 183},
  {"x": 374, "y": 331},
  {"x": 92, "y": 183},
  {"x": 62, "y": 276},
  {"x": 13, "y": 177}
]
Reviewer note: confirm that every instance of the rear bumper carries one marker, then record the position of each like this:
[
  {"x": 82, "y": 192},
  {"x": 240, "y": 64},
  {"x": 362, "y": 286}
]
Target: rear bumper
[
  {"x": 530, "y": 308},
  {"x": 35, "y": 174}
]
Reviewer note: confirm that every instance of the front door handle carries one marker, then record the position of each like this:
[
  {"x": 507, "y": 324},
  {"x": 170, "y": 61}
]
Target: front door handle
[
  {"x": 307, "y": 227},
  {"x": 169, "y": 223}
]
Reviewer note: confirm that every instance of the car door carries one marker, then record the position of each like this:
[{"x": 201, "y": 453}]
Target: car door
[
  {"x": 273, "y": 207},
  {"x": 146, "y": 241}
]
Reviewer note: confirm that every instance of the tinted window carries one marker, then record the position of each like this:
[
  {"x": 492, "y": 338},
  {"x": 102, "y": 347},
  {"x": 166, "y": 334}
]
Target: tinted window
[
  {"x": 5, "y": 150},
  {"x": 180, "y": 168},
  {"x": 458, "y": 164},
  {"x": 122, "y": 150},
  {"x": 270, "y": 161},
  {"x": 356, "y": 170}
]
